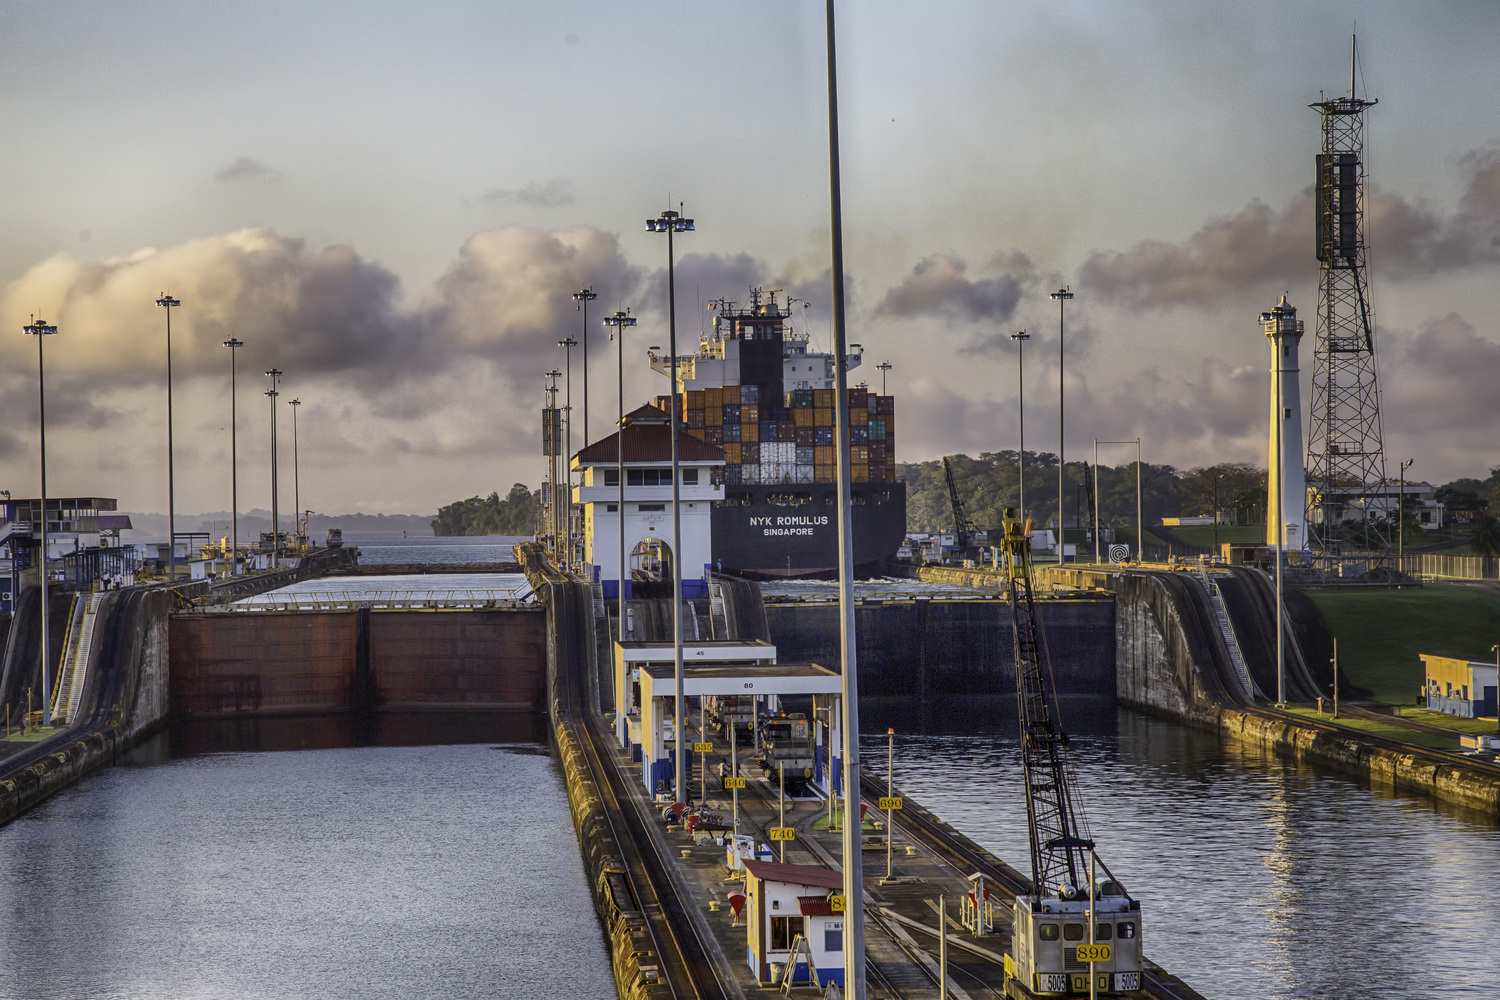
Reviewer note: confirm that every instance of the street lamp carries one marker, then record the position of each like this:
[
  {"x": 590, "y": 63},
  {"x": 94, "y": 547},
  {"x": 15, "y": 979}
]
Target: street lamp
[
  {"x": 1062, "y": 295},
  {"x": 296, "y": 404},
  {"x": 555, "y": 529},
  {"x": 39, "y": 329},
  {"x": 168, "y": 303},
  {"x": 620, "y": 320},
  {"x": 1401, "y": 519},
  {"x": 234, "y": 459},
  {"x": 583, "y": 298},
  {"x": 1020, "y": 337},
  {"x": 883, "y": 367},
  {"x": 671, "y": 223},
  {"x": 274, "y": 374},
  {"x": 1493, "y": 649},
  {"x": 854, "y": 880},
  {"x": 567, "y": 344}
]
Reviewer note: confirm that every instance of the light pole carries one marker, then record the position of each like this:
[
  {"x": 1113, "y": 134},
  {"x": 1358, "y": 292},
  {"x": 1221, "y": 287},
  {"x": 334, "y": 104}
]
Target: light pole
[
  {"x": 552, "y": 460},
  {"x": 1020, "y": 337},
  {"x": 1401, "y": 518},
  {"x": 1062, "y": 295},
  {"x": 583, "y": 298},
  {"x": 1493, "y": 649},
  {"x": 567, "y": 344},
  {"x": 39, "y": 329},
  {"x": 671, "y": 223},
  {"x": 234, "y": 458},
  {"x": 296, "y": 404},
  {"x": 854, "y": 878},
  {"x": 167, "y": 302},
  {"x": 883, "y": 367},
  {"x": 274, "y": 374},
  {"x": 620, "y": 320}
]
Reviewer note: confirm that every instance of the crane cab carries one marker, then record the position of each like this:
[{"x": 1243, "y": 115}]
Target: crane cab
[{"x": 1046, "y": 935}]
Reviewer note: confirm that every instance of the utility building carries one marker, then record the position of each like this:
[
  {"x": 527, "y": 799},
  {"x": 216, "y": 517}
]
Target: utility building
[
  {"x": 647, "y": 518},
  {"x": 1286, "y": 488}
]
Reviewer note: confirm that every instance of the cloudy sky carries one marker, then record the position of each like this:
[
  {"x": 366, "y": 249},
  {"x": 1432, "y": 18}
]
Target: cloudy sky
[{"x": 392, "y": 204}]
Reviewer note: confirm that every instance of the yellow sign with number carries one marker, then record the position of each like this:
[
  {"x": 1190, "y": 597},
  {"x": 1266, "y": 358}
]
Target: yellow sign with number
[
  {"x": 837, "y": 903},
  {"x": 734, "y": 782},
  {"x": 703, "y": 748},
  {"x": 890, "y": 802},
  {"x": 1093, "y": 953},
  {"x": 783, "y": 833}
]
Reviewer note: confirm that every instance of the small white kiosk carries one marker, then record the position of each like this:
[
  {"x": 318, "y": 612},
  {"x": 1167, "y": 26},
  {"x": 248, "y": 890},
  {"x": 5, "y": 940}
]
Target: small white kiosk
[{"x": 785, "y": 902}]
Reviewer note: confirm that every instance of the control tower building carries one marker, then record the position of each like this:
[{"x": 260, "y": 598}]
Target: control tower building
[{"x": 1286, "y": 488}]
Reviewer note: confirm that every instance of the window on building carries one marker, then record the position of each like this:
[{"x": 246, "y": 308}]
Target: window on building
[
  {"x": 1072, "y": 932},
  {"x": 1126, "y": 929},
  {"x": 833, "y": 939},
  {"x": 1047, "y": 932},
  {"x": 611, "y": 477},
  {"x": 612, "y": 508},
  {"x": 1103, "y": 932},
  {"x": 648, "y": 507},
  {"x": 690, "y": 477},
  {"x": 648, "y": 477},
  {"x": 783, "y": 931}
]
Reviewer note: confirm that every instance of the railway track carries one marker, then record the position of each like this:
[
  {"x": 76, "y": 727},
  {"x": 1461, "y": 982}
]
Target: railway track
[{"x": 690, "y": 970}]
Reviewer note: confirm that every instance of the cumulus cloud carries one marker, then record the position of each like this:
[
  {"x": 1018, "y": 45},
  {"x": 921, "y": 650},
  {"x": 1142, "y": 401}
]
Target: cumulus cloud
[
  {"x": 247, "y": 168},
  {"x": 1443, "y": 379},
  {"x": 320, "y": 311},
  {"x": 938, "y": 285},
  {"x": 1260, "y": 250},
  {"x": 554, "y": 193},
  {"x": 509, "y": 296}
]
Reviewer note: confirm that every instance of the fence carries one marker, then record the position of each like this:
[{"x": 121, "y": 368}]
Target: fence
[
  {"x": 1442, "y": 567},
  {"x": 345, "y": 600}
]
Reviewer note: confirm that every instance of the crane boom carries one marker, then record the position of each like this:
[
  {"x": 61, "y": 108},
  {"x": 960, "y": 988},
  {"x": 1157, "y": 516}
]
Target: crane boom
[
  {"x": 1059, "y": 849},
  {"x": 963, "y": 528}
]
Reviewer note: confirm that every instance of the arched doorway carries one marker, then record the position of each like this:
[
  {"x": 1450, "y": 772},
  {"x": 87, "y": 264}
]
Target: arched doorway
[{"x": 651, "y": 559}]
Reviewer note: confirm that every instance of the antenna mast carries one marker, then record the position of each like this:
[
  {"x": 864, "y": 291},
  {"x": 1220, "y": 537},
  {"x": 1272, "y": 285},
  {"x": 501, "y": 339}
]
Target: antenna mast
[{"x": 1346, "y": 481}]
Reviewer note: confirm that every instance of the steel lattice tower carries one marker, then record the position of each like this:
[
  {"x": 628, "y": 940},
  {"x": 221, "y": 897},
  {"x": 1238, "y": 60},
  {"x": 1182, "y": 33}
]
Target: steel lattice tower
[{"x": 1345, "y": 451}]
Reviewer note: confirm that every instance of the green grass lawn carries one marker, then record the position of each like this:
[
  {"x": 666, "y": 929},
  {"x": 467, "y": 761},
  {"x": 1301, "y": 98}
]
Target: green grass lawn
[
  {"x": 1386, "y": 729},
  {"x": 1381, "y": 632},
  {"x": 1457, "y": 723}
]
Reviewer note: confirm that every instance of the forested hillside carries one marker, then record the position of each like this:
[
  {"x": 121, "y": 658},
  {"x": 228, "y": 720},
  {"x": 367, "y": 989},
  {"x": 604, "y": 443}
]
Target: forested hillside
[
  {"x": 514, "y": 515},
  {"x": 990, "y": 483}
]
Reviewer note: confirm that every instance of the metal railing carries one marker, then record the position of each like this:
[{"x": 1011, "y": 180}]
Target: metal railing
[
  {"x": 345, "y": 600},
  {"x": 1436, "y": 566}
]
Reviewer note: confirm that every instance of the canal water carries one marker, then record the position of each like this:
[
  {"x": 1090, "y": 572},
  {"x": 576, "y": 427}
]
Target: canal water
[
  {"x": 1259, "y": 877},
  {"x": 418, "y": 868}
]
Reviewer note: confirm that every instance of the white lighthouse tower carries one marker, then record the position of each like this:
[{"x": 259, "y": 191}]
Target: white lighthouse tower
[{"x": 1286, "y": 490}]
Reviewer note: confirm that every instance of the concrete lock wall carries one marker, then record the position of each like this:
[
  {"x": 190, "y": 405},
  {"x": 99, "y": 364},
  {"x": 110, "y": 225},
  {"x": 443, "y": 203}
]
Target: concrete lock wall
[
  {"x": 934, "y": 647},
  {"x": 296, "y": 662}
]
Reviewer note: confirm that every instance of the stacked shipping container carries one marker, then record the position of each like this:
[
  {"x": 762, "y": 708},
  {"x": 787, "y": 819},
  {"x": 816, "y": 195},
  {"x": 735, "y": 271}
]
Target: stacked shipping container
[{"x": 770, "y": 444}]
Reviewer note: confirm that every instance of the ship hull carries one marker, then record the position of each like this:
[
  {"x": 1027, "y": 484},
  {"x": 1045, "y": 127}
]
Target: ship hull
[{"x": 759, "y": 534}]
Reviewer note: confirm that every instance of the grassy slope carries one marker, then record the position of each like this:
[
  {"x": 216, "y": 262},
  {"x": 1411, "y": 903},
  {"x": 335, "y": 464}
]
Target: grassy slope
[
  {"x": 1432, "y": 740},
  {"x": 1381, "y": 632}
]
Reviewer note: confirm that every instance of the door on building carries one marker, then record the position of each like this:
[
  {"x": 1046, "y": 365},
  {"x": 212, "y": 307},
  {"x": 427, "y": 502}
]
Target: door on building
[{"x": 651, "y": 559}]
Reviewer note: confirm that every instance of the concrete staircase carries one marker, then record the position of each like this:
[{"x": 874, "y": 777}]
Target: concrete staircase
[
  {"x": 604, "y": 642},
  {"x": 1226, "y": 628},
  {"x": 73, "y": 674}
]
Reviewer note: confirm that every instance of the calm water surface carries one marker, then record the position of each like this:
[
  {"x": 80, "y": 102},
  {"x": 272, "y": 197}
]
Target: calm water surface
[
  {"x": 387, "y": 549},
  {"x": 1259, "y": 877},
  {"x": 355, "y": 872}
]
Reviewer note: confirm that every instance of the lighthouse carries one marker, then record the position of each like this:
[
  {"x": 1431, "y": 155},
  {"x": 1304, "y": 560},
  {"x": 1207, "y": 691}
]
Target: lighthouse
[{"x": 1286, "y": 488}]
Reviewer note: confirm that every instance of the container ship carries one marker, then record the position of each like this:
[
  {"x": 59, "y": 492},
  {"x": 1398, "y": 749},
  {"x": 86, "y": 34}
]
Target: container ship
[{"x": 754, "y": 389}]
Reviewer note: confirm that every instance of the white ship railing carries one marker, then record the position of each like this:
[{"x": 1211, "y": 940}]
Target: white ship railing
[{"x": 344, "y": 600}]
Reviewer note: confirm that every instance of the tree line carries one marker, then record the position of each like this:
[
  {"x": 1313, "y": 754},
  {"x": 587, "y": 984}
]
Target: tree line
[{"x": 516, "y": 514}]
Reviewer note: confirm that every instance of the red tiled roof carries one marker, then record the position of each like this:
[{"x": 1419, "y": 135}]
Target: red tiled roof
[
  {"x": 774, "y": 871},
  {"x": 649, "y": 443},
  {"x": 815, "y": 906}
]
